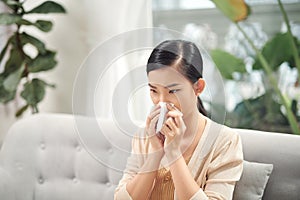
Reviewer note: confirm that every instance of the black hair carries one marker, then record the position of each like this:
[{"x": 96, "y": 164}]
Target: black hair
[{"x": 184, "y": 56}]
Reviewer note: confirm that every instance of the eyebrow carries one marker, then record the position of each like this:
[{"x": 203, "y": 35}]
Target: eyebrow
[{"x": 168, "y": 86}]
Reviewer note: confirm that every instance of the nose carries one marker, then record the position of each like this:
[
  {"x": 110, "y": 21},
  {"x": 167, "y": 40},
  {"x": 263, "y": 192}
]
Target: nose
[{"x": 163, "y": 98}]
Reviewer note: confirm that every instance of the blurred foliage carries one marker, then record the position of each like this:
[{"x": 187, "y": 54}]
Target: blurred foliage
[
  {"x": 18, "y": 66},
  {"x": 273, "y": 110}
]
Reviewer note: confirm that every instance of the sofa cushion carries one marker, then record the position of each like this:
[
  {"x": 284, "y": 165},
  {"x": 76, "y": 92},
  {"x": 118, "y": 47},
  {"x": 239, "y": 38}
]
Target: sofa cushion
[
  {"x": 281, "y": 150},
  {"x": 253, "y": 181}
]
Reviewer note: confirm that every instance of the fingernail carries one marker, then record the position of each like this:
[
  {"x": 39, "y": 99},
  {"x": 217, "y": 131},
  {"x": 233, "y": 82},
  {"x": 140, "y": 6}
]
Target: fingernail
[{"x": 171, "y": 104}]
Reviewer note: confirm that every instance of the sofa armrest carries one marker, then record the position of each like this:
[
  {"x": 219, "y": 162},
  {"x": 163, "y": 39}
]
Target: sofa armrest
[{"x": 6, "y": 185}]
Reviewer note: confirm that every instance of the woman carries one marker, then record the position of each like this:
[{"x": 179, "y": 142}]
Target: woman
[{"x": 191, "y": 157}]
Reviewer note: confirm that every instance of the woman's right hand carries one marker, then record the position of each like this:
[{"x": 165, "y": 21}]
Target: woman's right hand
[{"x": 156, "y": 142}]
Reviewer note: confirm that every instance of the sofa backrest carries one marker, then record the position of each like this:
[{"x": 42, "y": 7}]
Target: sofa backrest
[
  {"x": 57, "y": 156},
  {"x": 281, "y": 150}
]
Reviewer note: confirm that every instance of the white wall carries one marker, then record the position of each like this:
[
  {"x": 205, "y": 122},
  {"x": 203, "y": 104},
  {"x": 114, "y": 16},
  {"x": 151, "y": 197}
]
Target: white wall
[{"x": 74, "y": 35}]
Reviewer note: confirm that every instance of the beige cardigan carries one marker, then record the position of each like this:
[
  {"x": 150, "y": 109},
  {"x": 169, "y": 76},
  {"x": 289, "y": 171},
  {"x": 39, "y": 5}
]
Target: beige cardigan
[{"x": 216, "y": 163}]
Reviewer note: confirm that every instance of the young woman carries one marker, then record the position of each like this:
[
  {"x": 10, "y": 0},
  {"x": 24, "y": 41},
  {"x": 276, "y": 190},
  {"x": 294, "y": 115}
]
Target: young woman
[{"x": 191, "y": 157}]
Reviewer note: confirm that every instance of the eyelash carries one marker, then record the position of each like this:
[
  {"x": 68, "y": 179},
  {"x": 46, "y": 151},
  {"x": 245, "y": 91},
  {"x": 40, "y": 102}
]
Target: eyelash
[{"x": 171, "y": 91}]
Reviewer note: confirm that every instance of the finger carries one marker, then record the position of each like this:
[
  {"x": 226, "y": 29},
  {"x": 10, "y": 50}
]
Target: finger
[
  {"x": 178, "y": 121},
  {"x": 171, "y": 124},
  {"x": 163, "y": 130},
  {"x": 154, "y": 109},
  {"x": 166, "y": 131},
  {"x": 171, "y": 106},
  {"x": 152, "y": 115},
  {"x": 167, "y": 123},
  {"x": 154, "y": 121},
  {"x": 151, "y": 128},
  {"x": 174, "y": 113}
]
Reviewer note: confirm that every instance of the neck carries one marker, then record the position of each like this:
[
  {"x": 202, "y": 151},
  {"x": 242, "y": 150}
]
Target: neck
[
  {"x": 195, "y": 124},
  {"x": 191, "y": 122}
]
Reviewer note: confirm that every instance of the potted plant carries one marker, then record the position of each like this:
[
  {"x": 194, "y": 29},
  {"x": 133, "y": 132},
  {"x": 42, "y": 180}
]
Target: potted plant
[{"x": 21, "y": 68}]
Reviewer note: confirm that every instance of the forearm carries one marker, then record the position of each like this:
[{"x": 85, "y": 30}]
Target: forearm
[
  {"x": 140, "y": 186},
  {"x": 184, "y": 183}
]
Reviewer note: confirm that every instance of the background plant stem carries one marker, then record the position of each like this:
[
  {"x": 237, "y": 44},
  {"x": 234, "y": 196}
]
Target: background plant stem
[{"x": 294, "y": 46}]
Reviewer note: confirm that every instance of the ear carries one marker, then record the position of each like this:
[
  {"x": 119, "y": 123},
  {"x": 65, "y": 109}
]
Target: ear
[{"x": 199, "y": 86}]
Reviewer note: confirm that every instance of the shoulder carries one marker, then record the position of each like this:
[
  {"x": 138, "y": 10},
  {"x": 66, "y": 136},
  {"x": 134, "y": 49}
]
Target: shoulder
[
  {"x": 227, "y": 137},
  {"x": 225, "y": 133}
]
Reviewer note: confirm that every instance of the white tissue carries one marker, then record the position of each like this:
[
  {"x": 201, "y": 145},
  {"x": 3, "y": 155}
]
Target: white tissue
[{"x": 162, "y": 116}]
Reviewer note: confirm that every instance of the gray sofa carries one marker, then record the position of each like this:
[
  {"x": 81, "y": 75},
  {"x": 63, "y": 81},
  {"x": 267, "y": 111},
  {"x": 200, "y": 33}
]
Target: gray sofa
[{"x": 62, "y": 157}]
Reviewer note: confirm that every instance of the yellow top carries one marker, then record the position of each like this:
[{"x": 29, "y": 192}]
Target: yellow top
[
  {"x": 216, "y": 164},
  {"x": 163, "y": 188}
]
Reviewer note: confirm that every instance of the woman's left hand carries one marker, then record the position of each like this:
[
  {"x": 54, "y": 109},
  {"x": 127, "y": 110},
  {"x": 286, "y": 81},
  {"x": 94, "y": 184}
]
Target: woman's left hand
[{"x": 173, "y": 130}]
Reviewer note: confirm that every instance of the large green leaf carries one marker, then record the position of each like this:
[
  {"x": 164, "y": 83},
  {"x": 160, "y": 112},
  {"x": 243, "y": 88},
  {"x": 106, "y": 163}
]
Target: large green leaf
[
  {"x": 12, "y": 81},
  {"x": 25, "y": 38},
  {"x": 227, "y": 63},
  {"x": 42, "y": 62},
  {"x": 24, "y": 22},
  {"x": 13, "y": 4},
  {"x": 48, "y": 7},
  {"x": 235, "y": 10},
  {"x": 5, "y": 48},
  {"x": 34, "y": 92},
  {"x": 5, "y": 96},
  {"x": 8, "y": 19},
  {"x": 276, "y": 51},
  {"x": 44, "y": 25},
  {"x": 14, "y": 62},
  {"x": 3, "y": 51},
  {"x": 292, "y": 62}
]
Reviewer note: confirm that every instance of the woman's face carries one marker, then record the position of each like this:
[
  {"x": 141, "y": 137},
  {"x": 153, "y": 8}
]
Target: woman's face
[{"x": 168, "y": 85}]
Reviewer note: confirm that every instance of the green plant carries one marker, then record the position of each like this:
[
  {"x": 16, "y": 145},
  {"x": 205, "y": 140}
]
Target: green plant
[
  {"x": 20, "y": 68},
  {"x": 263, "y": 111}
]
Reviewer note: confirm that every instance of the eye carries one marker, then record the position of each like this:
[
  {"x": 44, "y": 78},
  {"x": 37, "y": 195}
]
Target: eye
[
  {"x": 152, "y": 90},
  {"x": 173, "y": 91}
]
